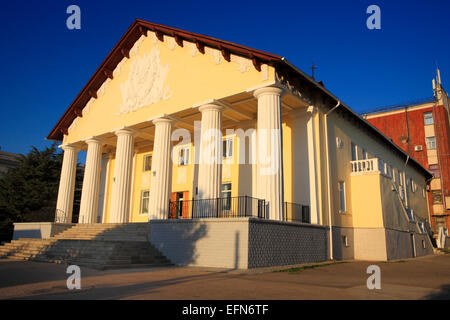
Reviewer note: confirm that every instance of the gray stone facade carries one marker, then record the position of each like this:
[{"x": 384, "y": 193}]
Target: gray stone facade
[{"x": 274, "y": 243}]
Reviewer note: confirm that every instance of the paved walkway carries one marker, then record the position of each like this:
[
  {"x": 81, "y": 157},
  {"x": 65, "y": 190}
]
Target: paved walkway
[{"x": 421, "y": 278}]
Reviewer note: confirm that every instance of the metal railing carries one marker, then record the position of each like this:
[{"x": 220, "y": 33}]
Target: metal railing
[
  {"x": 296, "y": 212},
  {"x": 231, "y": 207}
]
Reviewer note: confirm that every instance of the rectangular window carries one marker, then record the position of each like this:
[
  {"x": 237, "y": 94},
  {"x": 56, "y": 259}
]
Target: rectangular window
[
  {"x": 354, "y": 152},
  {"x": 365, "y": 154},
  {"x": 431, "y": 143},
  {"x": 147, "y": 163},
  {"x": 402, "y": 178},
  {"x": 184, "y": 156},
  {"x": 436, "y": 196},
  {"x": 345, "y": 241},
  {"x": 226, "y": 195},
  {"x": 401, "y": 192},
  {"x": 434, "y": 169},
  {"x": 228, "y": 148},
  {"x": 390, "y": 173},
  {"x": 342, "y": 206},
  {"x": 428, "y": 118},
  {"x": 145, "y": 195}
]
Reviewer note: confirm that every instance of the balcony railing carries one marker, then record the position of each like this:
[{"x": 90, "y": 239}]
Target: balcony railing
[
  {"x": 372, "y": 165},
  {"x": 296, "y": 212},
  {"x": 232, "y": 207},
  {"x": 366, "y": 165}
]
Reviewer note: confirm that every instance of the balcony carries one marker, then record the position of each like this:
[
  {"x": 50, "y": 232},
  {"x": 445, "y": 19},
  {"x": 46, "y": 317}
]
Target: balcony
[
  {"x": 365, "y": 166},
  {"x": 369, "y": 166}
]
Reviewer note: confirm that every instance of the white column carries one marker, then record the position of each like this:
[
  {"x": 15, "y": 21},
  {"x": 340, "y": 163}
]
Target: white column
[
  {"x": 104, "y": 174},
  {"x": 161, "y": 170},
  {"x": 210, "y": 167},
  {"x": 270, "y": 152},
  {"x": 313, "y": 185},
  {"x": 121, "y": 193},
  {"x": 64, "y": 204},
  {"x": 91, "y": 182}
]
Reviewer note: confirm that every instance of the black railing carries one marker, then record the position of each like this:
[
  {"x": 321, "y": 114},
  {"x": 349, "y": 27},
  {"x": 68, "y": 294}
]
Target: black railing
[
  {"x": 232, "y": 207},
  {"x": 296, "y": 212}
]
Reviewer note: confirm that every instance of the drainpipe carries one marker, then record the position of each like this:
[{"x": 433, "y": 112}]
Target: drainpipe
[{"x": 329, "y": 177}]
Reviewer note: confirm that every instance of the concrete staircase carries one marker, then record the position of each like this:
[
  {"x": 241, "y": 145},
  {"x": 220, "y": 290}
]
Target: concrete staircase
[{"x": 98, "y": 246}]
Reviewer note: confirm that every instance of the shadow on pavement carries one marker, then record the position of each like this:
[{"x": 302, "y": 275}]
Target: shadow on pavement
[
  {"x": 105, "y": 292},
  {"x": 442, "y": 294}
]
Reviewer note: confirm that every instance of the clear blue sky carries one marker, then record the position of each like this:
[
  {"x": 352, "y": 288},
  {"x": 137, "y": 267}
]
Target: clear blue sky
[{"x": 45, "y": 65}]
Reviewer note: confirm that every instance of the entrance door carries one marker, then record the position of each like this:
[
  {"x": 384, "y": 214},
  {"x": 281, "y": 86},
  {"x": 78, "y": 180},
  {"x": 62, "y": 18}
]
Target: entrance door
[{"x": 179, "y": 208}]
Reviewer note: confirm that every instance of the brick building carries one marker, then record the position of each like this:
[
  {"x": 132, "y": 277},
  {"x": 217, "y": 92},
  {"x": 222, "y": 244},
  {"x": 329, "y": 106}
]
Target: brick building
[{"x": 422, "y": 130}]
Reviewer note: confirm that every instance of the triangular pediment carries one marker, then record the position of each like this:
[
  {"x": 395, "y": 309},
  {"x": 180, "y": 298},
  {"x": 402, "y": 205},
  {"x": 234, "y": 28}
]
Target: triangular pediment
[
  {"x": 244, "y": 59},
  {"x": 161, "y": 76}
]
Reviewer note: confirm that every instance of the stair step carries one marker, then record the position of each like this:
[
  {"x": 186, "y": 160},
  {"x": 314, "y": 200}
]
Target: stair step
[{"x": 100, "y": 246}]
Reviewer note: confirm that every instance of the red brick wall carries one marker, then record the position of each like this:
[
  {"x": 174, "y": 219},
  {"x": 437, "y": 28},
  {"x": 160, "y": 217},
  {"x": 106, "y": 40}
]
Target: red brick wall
[{"x": 396, "y": 127}]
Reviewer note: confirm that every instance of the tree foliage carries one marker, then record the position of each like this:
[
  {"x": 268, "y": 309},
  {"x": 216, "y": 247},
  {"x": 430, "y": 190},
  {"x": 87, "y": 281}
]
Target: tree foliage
[{"x": 28, "y": 192}]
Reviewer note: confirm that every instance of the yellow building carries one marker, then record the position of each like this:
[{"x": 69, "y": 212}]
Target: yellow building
[{"x": 180, "y": 128}]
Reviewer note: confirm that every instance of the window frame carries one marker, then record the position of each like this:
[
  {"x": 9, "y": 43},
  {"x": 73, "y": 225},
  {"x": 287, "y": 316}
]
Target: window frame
[
  {"x": 184, "y": 160},
  {"x": 428, "y": 142},
  {"x": 144, "y": 162},
  {"x": 228, "y": 197},
  {"x": 141, "y": 213},
  {"x": 435, "y": 170},
  {"x": 427, "y": 116},
  {"x": 345, "y": 241},
  {"x": 227, "y": 153},
  {"x": 342, "y": 197},
  {"x": 353, "y": 151}
]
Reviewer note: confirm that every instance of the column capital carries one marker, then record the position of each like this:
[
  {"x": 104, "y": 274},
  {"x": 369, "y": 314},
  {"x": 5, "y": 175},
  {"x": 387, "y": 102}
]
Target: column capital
[
  {"x": 268, "y": 90},
  {"x": 93, "y": 140},
  {"x": 125, "y": 131},
  {"x": 69, "y": 147},
  {"x": 210, "y": 107},
  {"x": 162, "y": 120}
]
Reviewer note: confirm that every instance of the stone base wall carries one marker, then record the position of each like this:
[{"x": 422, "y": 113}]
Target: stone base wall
[
  {"x": 38, "y": 230},
  {"x": 239, "y": 243},
  {"x": 423, "y": 245},
  {"x": 398, "y": 244},
  {"x": 404, "y": 244},
  {"x": 274, "y": 243}
]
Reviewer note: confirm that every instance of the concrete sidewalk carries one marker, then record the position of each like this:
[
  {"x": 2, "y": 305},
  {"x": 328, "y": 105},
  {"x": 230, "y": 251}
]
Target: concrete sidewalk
[{"x": 421, "y": 278}]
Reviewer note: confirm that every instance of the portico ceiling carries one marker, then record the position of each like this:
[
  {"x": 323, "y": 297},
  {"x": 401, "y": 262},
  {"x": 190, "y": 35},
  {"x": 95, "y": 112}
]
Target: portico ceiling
[{"x": 238, "y": 110}]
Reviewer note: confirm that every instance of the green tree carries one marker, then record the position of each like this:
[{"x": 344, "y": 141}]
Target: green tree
[{"x": 28, "y": 192}]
